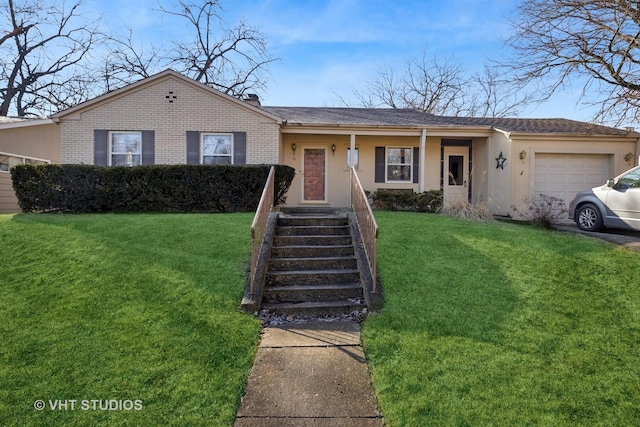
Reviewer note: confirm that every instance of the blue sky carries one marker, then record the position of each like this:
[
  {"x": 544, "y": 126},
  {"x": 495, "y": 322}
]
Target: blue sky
[{"x": 330, "y": 48}]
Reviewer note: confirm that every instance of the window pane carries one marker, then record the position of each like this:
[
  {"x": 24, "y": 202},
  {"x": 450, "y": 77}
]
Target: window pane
[
  {"x": 122, "y": 142},
  {"x": 630, "y": 180},
  {"x": 126, "y": 160},
  {"x": 355, "y": 156},
  {"x": 7, "y": 162},
  {"x": 398, "y": 173},
  {"x": 34, "y": 162},
  {"x": 399, "y": 156},
  {"x": 216, "y": 145},
  {"x": 216, "y": 160}
]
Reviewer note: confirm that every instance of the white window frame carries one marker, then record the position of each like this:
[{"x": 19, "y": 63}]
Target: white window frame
[
  {"x": 113, "y": 153},
  {"x": 409, "y": 164},
  {"x": 22, "y": 159},
  {"x": 212, "y": 134}
]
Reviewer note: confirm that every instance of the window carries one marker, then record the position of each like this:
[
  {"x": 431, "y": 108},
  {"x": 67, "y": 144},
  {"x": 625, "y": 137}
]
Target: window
[
  {"x": 125, "y": 148},
  {"x": 7, "y": 161},
  {"x": 630, "y": 180},
  {"x": 399, "y": 164},
  {"x": 355, "y": 158},
  {"x": 217, "y": 149}
]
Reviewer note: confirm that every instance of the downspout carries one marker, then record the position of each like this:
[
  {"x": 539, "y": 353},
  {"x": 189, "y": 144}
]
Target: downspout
[{"x": 423, "y": 141}]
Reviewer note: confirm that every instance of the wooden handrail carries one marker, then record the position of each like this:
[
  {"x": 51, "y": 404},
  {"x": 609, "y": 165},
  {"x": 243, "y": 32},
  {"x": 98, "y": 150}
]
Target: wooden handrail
[
  {"x": 367, "y": 223},
  {"x": 259, "y": 224}
]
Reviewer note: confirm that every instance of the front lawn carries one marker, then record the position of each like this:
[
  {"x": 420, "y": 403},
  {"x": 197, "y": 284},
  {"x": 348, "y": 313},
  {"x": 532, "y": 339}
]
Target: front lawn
[
  {"x": 503, "y": 324},
  {"x": 140, "y": 310}
]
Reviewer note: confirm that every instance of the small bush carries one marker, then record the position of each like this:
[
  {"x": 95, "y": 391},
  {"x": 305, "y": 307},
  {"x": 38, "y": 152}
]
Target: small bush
[
  {"x": 468, "y": 210},
  {"x": 157, "y": 188},
  {"x": 543, "y": 210},
  {"x": 428, "y": 201}
]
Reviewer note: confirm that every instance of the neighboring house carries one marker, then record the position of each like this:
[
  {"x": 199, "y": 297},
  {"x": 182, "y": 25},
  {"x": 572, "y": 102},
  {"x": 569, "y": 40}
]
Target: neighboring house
[
  {"x": 24, "y": 141},
  {"x": 169, "y": 118}
]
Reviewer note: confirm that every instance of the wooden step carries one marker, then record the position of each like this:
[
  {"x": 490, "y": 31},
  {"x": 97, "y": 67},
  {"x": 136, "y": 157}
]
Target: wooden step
[
  {"x": 314, "y": 308},
  {"x": 311, "y": 251},
  {"x": 309, "y": 263},
  {"x": 312, "y": 277},
  {"x": 308, "y": 293}
]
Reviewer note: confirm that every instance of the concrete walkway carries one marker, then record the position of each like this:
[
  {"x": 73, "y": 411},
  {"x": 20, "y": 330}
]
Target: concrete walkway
[{"x": 309, "y": 374}]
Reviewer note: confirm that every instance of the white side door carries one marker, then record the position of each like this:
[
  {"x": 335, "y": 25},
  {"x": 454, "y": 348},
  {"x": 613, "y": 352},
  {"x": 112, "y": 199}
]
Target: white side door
[{"x": 456, "y": 175}]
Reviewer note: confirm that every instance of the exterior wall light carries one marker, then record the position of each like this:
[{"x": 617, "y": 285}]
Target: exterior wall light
[
  {"x": 293, "y": 147},
  {"x": 523, "y": 155},
  {"x": 628, "y": 157},
  {"x": 333, "y": 149}
]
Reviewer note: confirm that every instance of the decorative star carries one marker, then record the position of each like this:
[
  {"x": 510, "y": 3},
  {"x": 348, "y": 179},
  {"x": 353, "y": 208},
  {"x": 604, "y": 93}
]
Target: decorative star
[{"x": 500, "y": 159}]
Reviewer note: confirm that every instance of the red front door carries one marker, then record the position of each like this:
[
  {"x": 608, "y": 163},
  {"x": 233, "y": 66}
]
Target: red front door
[{"x": 314, "y": 175}]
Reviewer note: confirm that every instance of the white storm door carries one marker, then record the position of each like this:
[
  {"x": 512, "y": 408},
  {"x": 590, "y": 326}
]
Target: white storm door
[{"x": 455, "y": 174}]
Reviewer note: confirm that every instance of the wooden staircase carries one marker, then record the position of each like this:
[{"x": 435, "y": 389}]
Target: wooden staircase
[{"x": 313, "y": 270}]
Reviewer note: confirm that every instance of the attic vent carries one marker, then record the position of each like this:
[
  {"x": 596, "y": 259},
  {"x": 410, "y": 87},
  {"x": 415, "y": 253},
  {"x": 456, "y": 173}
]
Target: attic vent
[{"x": 171, "y": 97}]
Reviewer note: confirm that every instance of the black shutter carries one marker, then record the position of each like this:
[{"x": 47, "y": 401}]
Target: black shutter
[
  {"x": 239, "y": 148},
  {"x": 148, "y": 147},
  {"x": 380, "y": 165},
  {"x": 193, "y": 147},
  {"x": 416, "y": 165},
  {"x": 100, "y": 148}
]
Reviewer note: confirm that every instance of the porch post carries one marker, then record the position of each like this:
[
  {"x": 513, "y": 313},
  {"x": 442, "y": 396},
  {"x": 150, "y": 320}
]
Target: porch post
[
  {"x": 423, "y": 141},
  {"x": 352, "y": 157},
  {"x": 352, "y": 153}
]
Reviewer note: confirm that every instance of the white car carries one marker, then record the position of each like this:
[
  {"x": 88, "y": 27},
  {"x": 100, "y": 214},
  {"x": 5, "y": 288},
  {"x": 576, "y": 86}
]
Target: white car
[{"x": 615, "y": 204}]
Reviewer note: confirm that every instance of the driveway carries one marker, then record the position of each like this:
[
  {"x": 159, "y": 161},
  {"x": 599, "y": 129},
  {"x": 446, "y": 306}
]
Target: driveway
[{"x": 630, "y": 239}]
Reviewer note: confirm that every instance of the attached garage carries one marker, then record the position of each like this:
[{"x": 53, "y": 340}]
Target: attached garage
[{"x": 563, "y": 175}]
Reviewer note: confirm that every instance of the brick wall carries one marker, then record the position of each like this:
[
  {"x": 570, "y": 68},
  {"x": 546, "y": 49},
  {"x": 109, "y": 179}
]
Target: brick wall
[{"x": 170, "y": 106}]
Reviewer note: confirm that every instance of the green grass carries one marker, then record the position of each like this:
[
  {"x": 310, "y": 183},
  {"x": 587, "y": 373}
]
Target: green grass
[
  {"x": 124, "y": 307},
  {"x": 483, "y": 324},
  {"x": 502, "y": 324}
]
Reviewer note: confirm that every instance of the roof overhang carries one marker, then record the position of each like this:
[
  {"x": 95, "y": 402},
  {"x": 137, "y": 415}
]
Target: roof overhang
[
  {"x": 385, "y": 130},
  {"x": 25, "y": 123}
]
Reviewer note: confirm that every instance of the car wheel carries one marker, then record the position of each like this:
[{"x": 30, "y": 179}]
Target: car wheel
[{"x": 589, "y": 218}]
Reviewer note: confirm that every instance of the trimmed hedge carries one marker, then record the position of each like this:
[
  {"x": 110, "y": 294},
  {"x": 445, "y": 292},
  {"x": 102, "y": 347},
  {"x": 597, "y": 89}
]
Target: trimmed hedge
[
  {"x": 429, "y": 201},
  {"x": 157, "y": 188}
]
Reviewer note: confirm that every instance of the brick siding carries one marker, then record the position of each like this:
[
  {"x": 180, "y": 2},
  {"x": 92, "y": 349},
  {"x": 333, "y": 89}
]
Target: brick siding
[{"x": 170, "y": 107}]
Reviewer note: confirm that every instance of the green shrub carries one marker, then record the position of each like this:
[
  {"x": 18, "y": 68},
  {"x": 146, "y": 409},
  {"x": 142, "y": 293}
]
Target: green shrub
[
  {"x": 157, "y": 188},
  {"x": 428, "y": 201}
]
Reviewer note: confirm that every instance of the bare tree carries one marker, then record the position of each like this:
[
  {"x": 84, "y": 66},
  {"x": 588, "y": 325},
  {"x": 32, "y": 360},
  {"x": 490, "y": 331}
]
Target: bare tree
[
  {"x": 493, "y": 95},
  {"x": 595, "y": 42},
  {"x": 442, "y": 88},
  {"x": 125, "y": 62},
  {"x": 40, "y": 62},
  {"x": 232, "y": 60}
]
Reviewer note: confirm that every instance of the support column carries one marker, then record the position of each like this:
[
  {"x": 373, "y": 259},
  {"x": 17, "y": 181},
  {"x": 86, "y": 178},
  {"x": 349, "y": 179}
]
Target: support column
[
  {"x": 423, "y": 142},
  {"x": 353, "y": 150}
]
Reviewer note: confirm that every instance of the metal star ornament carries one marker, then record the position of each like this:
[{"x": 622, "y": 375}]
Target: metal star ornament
[{"x": 500, "y": 161}]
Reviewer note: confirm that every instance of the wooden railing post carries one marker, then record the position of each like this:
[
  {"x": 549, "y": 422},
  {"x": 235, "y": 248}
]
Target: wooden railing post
[
  {"x": 367, "y": 223},
  {"x": 259, "y": 224}
]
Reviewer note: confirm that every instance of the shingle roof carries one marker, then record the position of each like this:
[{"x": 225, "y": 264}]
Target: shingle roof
[{"x": 329, "y": 116}]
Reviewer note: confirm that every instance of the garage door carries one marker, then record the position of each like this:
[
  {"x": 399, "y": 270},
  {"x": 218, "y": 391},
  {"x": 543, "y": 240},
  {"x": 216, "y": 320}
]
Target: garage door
[{"x": 563, "y": 175}]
